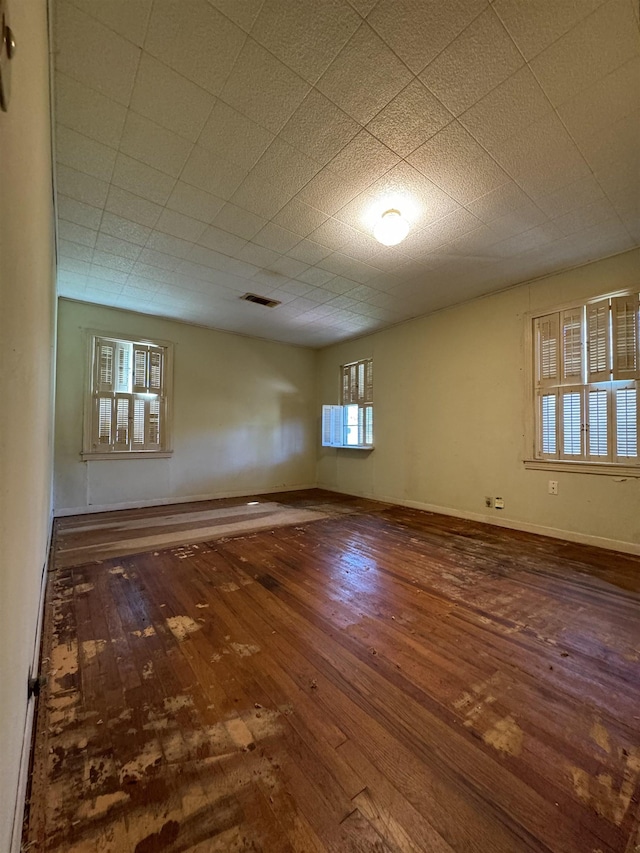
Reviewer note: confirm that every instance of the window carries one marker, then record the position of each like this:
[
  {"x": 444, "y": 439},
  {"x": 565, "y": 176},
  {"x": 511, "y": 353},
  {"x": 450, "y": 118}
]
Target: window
[
  {"x": 586, "y": 383},
  {"x": 127, "y": 403},
  {"x": 351, "y": 423}
]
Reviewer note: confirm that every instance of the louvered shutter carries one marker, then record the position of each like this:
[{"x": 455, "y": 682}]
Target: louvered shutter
[
  {"x": 626, "y": 355},
  {"x": 140, "y": 369},
  {"x": 155, "y": 370},
  {"x": 626, "y": 421},
  {"x": 332, "y": 426},
  {"x": 548, "y": 423},
  {"x": 572, "y": 423},
  {"x": 598, "y": 349},
  {"x": 572, "y": 345},
  {"x": 122, "y": 422},
  {"x": 123, "y": 367},
  {"x": 103, "y": 420},
  {"x": 105, "y": 363},
  {"x": 547, "y": 350},
  {"x": 368, "y": 425},
  {"x": 153, "y": 408},
  {"x": 598, "y": 422},
  {"x": 368, "y": 394},
  {"x": 138, "y": 426}
]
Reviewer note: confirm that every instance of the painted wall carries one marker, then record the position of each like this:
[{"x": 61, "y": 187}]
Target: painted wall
[
  {"x": 450, "y": 402},
  {"x": 244, "y": 415},
  {"x": 26, "y": 380}
]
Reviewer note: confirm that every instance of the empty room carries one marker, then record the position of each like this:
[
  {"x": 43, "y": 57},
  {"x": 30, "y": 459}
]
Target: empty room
[{"x": 319, "y": 473}]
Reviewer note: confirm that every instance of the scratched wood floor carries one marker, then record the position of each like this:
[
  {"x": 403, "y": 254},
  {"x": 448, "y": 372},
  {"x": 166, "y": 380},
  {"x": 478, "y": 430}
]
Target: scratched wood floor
[{"x": 381, "y": 679}]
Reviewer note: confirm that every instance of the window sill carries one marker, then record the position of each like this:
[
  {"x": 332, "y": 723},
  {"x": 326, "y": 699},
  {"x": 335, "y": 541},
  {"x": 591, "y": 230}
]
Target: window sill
[
  {"x": 353, "y": 446},
  {"x": 582, "y": 467},
  {"x": 126, "y": 454}
]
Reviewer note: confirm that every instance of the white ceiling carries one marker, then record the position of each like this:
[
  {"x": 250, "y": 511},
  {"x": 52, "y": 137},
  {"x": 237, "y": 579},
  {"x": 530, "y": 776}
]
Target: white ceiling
[{"x": 206, "y": 148}]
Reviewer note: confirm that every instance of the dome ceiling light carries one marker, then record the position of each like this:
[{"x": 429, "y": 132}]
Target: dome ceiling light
[{"x": 391, "y": 229}]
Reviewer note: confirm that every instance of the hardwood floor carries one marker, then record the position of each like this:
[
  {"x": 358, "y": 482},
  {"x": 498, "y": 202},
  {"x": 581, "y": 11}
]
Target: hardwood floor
[{"x": 380, "y": 679}]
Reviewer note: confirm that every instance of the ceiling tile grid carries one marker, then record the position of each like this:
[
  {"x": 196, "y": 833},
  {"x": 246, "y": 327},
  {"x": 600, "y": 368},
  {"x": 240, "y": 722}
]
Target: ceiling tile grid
[{"x": 208, "y": 148}]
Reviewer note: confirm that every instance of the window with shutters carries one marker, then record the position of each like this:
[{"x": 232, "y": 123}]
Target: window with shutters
[
  {"x": 586, "y": 376},
  {"x": 351, "y": 423},
  {"x": 127, "y": 406}
]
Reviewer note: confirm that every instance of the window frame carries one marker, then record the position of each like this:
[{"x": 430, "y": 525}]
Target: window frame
[
  {"x": 89, "y": 451},
  {"x": 356, "y": 389},
  {"x": 535, "y": 389}
]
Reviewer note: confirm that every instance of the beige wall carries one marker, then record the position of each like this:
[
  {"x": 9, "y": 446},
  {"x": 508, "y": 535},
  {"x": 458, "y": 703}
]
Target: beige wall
[
  {"x": 450, "y": 403},
  {"x": 26, "y": 359},
  {"x": 244, "y": 415}
]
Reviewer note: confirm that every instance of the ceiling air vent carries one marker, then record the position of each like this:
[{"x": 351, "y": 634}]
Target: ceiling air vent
[{"x": 260, "y": 300}]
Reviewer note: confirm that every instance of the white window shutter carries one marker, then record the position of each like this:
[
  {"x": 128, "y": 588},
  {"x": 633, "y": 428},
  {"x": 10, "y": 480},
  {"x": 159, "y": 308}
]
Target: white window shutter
[
  {"x": 156, "y": 370},
  {"x": 368, "y": 382},
  {"x": 140, "y": 369},
  {"x": 626, "y": 421},
  {"x": 626, "y": 353},
  {"x": 598, "y": 422},
  {"x": 572, "y": 345},
  {"x": 123, "y": 367},
  {"x": 572, "y": 422},
  {"x": 103, "y": 423},
  {"x": 138, "y": 431},
  {"x": 105, "y": 365},
  {"x": 368, "y": 424},
  {"x": 598, "y": 345},
  {"x": 547, "y": 350},
  {"x": 332, "y": 426},
  {"x": 547, "y": 438},
  {"x": 153, "y": 441},
  {"x": 122, "y": 422}
]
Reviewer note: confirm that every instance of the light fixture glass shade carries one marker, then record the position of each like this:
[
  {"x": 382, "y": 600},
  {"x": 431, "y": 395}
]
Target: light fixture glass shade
[{"x": 391, "y": 229}]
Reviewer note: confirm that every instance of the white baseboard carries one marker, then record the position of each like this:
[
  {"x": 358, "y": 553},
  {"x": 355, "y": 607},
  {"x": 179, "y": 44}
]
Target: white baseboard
[
  {"x": 501, "y": 521},
  {"x": 61, "y": 512},
  {"x": 27, "y": 736}
]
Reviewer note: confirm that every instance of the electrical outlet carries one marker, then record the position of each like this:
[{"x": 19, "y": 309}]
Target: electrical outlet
[
  {"x": 499, "y": 503},
  {"x": 488, "y": 502},
  {"x": 552, "y": 488}
]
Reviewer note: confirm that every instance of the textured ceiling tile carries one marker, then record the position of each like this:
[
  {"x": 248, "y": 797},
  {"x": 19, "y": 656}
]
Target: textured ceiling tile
[
  {"x": 585, "y": 217},
  {"x": 276, "y": 238},
  {"x": 499, "y": 202},
  {"x": 602, "y": 105},
  {"x": 615, "y": 144},
  {"x": 507, "y": 110},
  {"x": 221, "y": 241},
  {"x": 81, "y": 186},
  {"x": 482, "y": 57},
  {"x": 77, "y": 233},
  {"x": 124, "y": 17},
  {"x": 116, "y": 246},
  {"x": 130, "y": 206},
  {"x": 319, "y": 128},
  {"x": 168, "y": 244},
  {"x": 202, "y": 45},
  {"x": 541, "y": 157},
  {"x": 154, "y": 145},
  {"x": 522, "y": 219},
  {"x": 241, "y": 13},
  {"x": 78, "y": 151},
  {"x": 195, "y": 202},
  {"x": 179, "y": 225},
  {"x": 299, "y": 217},
  {"x": 288, "y": 266},
  {"x": 169, "y": 99},
  {"x": 93, "y": 54},
  {"x": 263, "y": 88},
  {"x": 332, "y": 234},
  {"x": 211, "y": 173},
  {"x": 238, "y": 221},
  {"x": 74, "y": 250},
  {"x": 79, "y": 212},
  {"x": 411, "y": 118},
  {"x": 366, "y": 156},
  {"x": 365, "y": 76},
  {"x": 458, "y": 165},
  {"x": 235, "y": 137},
  {"x": 158, "y": 259},
  {"x": 316, "y": 277},
  {"x": 595, "y": 47},
  {"x": 305, "y": 36},
  {"x": 343, "y": 265},
  {"x": 124, "y": 229},
  {"x": 258, "y": 255},
  {"x": 260, "y": 197},
  {"x": 535, "y": 24},
  {"x": 282, "y": 164},
  {"x": 141, "y": 179},
  {"x": 567, "y": 198},
  {"x": 328, "y": 192},
  {"x": 87, "y": 112},
  {"x": 309, "y": 252},
  {"x": 418, "y": 30}
]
